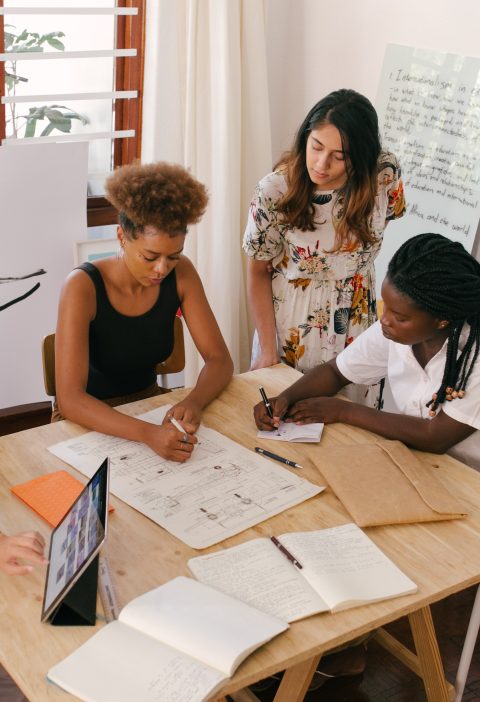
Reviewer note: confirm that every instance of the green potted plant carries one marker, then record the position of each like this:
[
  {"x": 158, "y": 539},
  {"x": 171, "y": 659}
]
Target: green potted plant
[{"x": 58, "y": 116}]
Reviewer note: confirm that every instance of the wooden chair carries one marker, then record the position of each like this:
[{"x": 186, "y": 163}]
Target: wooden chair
[{"x": 175, "y": 363}]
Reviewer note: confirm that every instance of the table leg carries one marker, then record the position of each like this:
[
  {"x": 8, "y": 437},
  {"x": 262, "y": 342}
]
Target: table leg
[
  {"x": 244, "y": 695},
  {"x": 296, "y": 680},
  {"x": 428, "y": 654},
  {"x": 468, "y": 647}
]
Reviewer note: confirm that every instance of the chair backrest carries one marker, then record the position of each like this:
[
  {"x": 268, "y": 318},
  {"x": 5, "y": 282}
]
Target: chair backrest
[
  {"x": 173, "y": 364},
  {"x": 48, "y": 362},
  {"x": 176, "y": 361}
]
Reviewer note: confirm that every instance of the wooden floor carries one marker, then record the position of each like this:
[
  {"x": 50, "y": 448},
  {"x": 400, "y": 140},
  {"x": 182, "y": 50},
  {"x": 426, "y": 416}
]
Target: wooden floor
[{"x": 387, "y": 680}]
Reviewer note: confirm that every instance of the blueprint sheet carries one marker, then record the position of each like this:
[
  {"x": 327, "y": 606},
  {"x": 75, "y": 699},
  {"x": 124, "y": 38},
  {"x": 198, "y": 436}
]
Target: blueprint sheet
[{"x": 221, "y": 490}]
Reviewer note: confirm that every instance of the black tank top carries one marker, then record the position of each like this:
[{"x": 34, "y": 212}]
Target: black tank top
[{"x": 125, "y": 350}]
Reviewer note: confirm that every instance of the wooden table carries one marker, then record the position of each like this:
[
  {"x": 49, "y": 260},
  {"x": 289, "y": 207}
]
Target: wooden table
[{"x": 442, "y": 558}]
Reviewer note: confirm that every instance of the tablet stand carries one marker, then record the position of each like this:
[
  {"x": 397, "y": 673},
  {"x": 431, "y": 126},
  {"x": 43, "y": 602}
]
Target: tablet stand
[{"x": 79, "y": 606}]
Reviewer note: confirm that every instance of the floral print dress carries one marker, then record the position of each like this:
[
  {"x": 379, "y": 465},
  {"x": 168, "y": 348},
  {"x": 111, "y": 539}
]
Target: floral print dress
[{"x": 322, "y": 299}]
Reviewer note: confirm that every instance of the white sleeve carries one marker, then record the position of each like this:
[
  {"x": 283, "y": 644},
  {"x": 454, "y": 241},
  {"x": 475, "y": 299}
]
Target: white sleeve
[{"x": 365, "y": 360}]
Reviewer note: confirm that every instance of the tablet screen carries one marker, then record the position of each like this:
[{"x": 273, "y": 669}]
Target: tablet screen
[{"x": 75, "y": 542}]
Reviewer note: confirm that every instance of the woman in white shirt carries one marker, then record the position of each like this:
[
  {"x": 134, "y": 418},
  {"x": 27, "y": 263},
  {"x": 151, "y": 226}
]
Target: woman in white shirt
[{"x": 427, "y": 343}]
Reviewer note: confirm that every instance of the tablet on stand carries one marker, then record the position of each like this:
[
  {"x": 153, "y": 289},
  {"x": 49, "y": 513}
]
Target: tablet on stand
[{"x": 70, "y": 596}]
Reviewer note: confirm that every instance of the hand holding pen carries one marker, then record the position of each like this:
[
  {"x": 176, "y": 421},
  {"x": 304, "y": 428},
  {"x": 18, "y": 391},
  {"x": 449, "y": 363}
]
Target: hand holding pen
[
  {"x": 266, "y": 402},
  {"x": 187, "y": 412},
  {"x": 269, "y": 411}
]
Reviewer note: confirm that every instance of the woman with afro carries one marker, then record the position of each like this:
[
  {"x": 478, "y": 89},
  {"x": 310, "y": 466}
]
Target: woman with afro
[{"x": 116, "y": 316}]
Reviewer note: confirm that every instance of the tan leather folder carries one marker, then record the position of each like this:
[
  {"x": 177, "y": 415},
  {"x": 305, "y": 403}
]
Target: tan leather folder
[{"x": 385, "y": 483}]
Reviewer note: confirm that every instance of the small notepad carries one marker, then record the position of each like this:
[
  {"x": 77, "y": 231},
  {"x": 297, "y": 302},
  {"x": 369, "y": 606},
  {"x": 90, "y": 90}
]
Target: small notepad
[
  {"x": 50, "y": 495},
  {"x": 288, "y": 431}
]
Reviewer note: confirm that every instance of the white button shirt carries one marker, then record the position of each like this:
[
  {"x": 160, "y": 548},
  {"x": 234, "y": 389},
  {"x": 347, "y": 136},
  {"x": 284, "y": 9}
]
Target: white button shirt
[{"x": 372, "y": 357}]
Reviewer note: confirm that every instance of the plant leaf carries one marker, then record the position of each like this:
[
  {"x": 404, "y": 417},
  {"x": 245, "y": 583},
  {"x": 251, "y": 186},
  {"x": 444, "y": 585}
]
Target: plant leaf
[
  {"x": 55, "y": 44},
  {"x": 8, "y": 39},
  {"x": 36, "y": 112},
  {"x": 30, "y": 127},
  {"x": 48, "y": 130},
  {"x": 64, "y": 126},
  {"x": 54, "y": 115}
]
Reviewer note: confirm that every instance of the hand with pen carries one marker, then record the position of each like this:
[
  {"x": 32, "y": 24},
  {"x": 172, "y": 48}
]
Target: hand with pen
[
  {"x": 269, "y": 412},
  {"x": 187, "y": 412},
  {"x": 313, "y": 409},
  {"x": 174, "y": 439}
]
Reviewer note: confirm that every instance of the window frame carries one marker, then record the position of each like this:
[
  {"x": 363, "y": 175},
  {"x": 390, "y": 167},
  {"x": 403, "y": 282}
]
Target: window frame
[{"x": 129, "y": 72}]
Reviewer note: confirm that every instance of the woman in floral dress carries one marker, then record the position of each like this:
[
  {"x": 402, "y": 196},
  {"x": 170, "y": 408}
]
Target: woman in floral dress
[{"x": 318, "y": 222}]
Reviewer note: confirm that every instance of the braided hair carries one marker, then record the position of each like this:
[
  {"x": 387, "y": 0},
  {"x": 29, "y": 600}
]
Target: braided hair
[{"x": 443, "y": 279}]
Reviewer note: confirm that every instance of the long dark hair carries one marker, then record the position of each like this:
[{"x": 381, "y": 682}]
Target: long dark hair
[
  {"x": 355, "y": 118},
  {"x": 443, "y": 279}
]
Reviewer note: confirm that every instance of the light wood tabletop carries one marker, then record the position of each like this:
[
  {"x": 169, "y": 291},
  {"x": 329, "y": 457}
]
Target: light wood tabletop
[{"x": 442, "y": 557}]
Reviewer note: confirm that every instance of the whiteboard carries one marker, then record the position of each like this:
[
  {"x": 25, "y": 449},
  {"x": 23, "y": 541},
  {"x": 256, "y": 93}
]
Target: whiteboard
[
  {"x": 428, "y": 105},
  {"x": 43, "y": 190}
]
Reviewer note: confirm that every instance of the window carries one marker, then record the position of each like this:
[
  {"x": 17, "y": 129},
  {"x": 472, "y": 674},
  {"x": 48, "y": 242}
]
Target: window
[{"x": 67, "y": 70}]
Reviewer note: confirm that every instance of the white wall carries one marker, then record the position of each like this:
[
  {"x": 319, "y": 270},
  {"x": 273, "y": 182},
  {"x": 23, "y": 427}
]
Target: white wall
[
  {"x": 42, "y": 205},
  {"x": 316, "y": 46}
]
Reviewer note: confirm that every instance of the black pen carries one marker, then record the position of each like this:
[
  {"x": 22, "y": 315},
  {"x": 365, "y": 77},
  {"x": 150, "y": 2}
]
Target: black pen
[
  {"x": 266, "y": 402},
  {"x": 286, "y": 552},
  {"x": 275, "y": 457}
]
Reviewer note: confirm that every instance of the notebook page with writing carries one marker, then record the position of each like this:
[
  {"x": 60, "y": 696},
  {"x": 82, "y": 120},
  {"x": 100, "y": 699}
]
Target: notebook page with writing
[
  {"x": 296, "y": 433},
  {"x": 346, "y": 566},
  {"x": 121, "y": 664},
  {"x": 259, "y": 574}
]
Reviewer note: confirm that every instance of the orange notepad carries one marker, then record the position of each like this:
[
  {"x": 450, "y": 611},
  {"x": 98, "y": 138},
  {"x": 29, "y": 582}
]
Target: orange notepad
[{"x": 50, "y": 495}]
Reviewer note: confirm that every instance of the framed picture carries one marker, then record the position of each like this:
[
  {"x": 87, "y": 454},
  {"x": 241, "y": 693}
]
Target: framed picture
[{"x": 90, "y": 251}]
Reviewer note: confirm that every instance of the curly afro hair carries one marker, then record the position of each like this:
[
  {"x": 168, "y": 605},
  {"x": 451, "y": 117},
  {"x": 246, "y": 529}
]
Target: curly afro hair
[{"x": 163, "y": 195}]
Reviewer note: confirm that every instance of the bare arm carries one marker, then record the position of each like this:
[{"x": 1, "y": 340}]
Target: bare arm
[
  {"x": 436, "y": 435},
  {"x": 310, "y": 400},
  {"x": 259, "y": 292},
  {"x": 203, "y": 327},
  {"x": 76, "y": 309}
]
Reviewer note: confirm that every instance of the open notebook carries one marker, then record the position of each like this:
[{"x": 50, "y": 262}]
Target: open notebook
[
  {"x": 300, "y": 433},
  {"x": 178, "y": 642},
  {"x": 335, "y": 569}
]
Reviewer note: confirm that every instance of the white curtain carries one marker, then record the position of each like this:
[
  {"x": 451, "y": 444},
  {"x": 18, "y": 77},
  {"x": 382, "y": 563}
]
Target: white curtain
[{"x": 206, "y": 107}]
